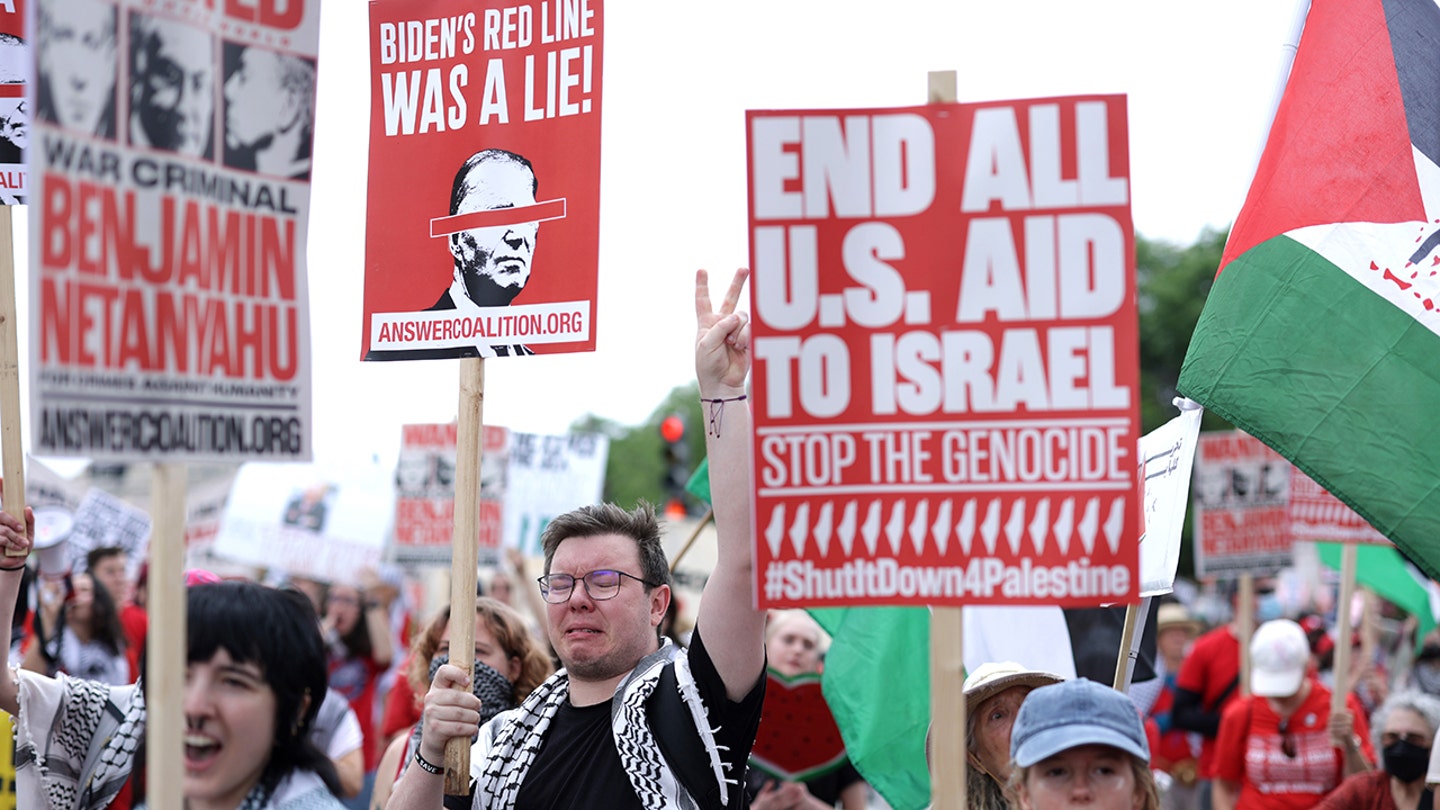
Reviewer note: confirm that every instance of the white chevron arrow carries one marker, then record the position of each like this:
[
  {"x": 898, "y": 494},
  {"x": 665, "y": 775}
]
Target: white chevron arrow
[
  {"x": 1064, "y": 525},
  {"x": 1115, "y": 524},
  {"x": 917, "y": 526},
  {"x": 895, "y": 527},
  {"x": 1090, "y": 524},
  {"x": 799, "y": 529},
  {"x": 1015, "y": 526},
  {"x": 870, "y": 529},
  {"x": 990, "y": 526},
  {"x": 965, "y": 529},
  {"x": 775, "y": 530},
  {"x": 846, "y": 531},
  {"x": 1040, "y": 525},
  {"x": 823, "y": 527},
  {"x": 941, "y": 530}
]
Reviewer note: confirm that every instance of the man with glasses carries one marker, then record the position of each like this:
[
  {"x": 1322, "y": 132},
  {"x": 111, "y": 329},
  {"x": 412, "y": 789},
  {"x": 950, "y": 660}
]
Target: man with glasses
[{"x": 631, "y": 721}]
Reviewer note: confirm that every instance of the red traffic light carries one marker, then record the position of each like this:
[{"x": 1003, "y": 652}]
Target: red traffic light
[{"x": 672, "y": 429}]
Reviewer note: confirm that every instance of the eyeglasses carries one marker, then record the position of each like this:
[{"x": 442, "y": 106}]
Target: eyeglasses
[
  {"x": 599, "y": 585},
  {"x": 1287, "y": 740}
]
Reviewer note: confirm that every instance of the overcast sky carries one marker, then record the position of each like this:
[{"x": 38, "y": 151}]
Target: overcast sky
[{"x": 678, "y": 77}]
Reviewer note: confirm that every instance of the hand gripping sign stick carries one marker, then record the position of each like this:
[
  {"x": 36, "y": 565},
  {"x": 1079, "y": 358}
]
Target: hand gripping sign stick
[
  {"x": 947, "y": 649},
  {"x": 463, "y": 549},
  {"x": 471, "y": 427},
  {"x": 11, "y": 449}
]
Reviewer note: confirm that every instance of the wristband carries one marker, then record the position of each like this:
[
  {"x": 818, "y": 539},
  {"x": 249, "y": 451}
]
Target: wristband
[
  {"x": 426, "y": 765},
  {"x": 19, "y": 567},
  {"x": 717, "y": 413}
]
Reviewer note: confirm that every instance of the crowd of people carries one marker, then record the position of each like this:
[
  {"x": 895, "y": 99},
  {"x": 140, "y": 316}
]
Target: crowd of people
[{"x": 582, "y": 692}]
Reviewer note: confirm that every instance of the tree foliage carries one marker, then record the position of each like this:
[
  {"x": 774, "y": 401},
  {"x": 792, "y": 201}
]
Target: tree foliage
[
  {"x": 635, "y": 469},
  {"x": 1172, "y": 283}
]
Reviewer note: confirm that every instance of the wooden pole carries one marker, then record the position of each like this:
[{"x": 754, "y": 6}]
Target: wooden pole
[
  {"x": 1135, "y": 617},
  {"x": 947, "y": 709},
  {"x": 947, "y": 627},
  {"x": 464, "y": 552},
  {"x": 165, "y": 645},
  {"x": 695, "y": 535},
  {"x": 1343, "y": 628},
  {"x": 12, "y": 448},
  {"x": 1245, "y": 626}
]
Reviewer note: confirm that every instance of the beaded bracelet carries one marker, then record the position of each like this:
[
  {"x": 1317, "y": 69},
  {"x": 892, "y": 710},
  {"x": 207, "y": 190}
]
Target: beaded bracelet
[
  {"x": 717, "y": 411},
  {"x": 426, "y": 765}
]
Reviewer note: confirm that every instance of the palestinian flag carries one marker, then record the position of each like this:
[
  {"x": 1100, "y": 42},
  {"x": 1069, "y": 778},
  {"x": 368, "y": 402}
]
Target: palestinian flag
[{"x": 1321, "y": 336}]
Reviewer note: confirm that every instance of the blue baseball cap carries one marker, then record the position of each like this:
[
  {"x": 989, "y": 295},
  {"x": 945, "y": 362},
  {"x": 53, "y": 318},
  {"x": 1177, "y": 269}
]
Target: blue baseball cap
[{"x": 1065, "y": 715}]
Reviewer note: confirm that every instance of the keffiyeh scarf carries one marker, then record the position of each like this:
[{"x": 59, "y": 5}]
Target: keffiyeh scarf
[
  {"x": 508, "y": 746},
  {"x": 75, "y": 741}
]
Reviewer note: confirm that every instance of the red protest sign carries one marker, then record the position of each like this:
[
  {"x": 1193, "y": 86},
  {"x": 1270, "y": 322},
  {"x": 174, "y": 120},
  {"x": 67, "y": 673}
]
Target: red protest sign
[
  {"x": 15, "y": 112},
  {"x": 1240, "y": 509},
  {"x": 169, "y": 304},
  {"x": 482, "y": 226},
  {"x": 425, "y": 493},
  {"x": 1317, "y": 515},
  {"x": 945, "y": 348}
]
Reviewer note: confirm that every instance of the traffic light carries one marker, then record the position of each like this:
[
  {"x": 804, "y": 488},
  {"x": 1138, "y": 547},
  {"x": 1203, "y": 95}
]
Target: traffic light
[{"x": 675, "y": 472}]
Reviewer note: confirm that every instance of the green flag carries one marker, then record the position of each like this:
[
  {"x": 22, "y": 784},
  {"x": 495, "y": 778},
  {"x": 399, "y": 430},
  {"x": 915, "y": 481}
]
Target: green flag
[
  {"x": 1319, "y": 336},
  {"x": 877, "y": 683},
  {"x": 1384, "y": 571},
  {"x": 699, "y": 483}
]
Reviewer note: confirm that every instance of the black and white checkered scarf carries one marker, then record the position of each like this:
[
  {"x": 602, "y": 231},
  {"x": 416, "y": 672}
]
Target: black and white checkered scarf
[{"x": 507, "y": 751}]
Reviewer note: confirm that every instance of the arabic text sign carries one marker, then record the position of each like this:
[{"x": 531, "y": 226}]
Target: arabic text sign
[
  {"x": 484, "y": 202},
  {"x": 945, "y": 354},
  {"x": 169, "y": 307}
]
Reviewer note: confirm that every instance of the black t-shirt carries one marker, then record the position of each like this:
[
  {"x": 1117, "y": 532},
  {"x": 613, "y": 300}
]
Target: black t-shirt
[{"x": 578, "y": 767}]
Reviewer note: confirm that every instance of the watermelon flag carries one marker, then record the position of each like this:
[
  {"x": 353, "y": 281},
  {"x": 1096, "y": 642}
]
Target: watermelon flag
[{"x": 1321, "y": 335}]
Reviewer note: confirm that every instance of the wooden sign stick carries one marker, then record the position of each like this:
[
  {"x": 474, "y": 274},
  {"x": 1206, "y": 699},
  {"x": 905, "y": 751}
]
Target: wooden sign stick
[
  {"x": 464, "y": 553},
  {"x": 165, "y": 648},
  {"x": 1343, "y": 628},
  {"x": 947, "y": 626},
  {"x": 1245, "y": 626},
  {"x": 1135, "y": 618},
  {"x": 12, "y": 448}
]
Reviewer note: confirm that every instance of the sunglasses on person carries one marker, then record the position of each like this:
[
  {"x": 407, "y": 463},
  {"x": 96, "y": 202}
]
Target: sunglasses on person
[
  {"x": 1287, "y": 740},
  {"x": 600, "y": 585}
]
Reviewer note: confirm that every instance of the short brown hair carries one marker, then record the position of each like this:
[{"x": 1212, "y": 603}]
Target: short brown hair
[{"x": 639, "y": 525}]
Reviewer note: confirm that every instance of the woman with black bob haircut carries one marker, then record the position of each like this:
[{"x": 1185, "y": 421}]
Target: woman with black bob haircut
[{"x": 254, "y": 680}]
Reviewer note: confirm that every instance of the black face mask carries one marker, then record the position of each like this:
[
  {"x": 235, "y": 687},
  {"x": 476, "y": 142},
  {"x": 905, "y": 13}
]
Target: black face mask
[{"x": 1406, "y": 761}]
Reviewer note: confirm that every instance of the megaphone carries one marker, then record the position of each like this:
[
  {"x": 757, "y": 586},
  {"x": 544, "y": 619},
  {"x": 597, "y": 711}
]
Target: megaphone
[{"x": 52, "y": 535}]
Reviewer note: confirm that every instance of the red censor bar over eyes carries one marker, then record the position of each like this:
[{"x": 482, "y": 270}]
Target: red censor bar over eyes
[{"x": 498, "y": 217}]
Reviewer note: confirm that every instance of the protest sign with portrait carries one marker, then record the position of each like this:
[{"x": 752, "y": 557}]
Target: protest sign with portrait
[{"x": 484, "y": 187}]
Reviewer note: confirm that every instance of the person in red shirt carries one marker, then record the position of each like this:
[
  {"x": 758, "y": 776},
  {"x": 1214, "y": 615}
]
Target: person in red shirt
[
  {"x": 1406, "y": 723},
  {"x": 1210, "y": 680},
  {"x": 1281, "y": 747}
]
